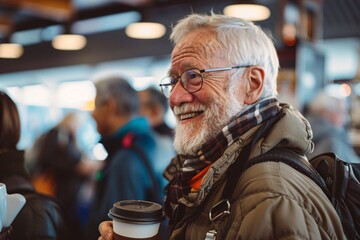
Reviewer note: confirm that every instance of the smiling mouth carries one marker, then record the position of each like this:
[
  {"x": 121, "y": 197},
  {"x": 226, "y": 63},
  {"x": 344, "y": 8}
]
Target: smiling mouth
[
  {"x": 187, "y": 111},
  {"x": 190, "y": 115}
]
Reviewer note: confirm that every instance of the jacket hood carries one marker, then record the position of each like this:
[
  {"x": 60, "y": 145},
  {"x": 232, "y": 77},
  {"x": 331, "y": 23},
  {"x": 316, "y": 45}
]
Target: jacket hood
[{"x": 291, "y": 131}]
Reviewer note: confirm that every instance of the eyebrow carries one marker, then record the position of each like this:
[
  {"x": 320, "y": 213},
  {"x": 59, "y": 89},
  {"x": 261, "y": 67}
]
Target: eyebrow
[{"x": 185, "y": 67}]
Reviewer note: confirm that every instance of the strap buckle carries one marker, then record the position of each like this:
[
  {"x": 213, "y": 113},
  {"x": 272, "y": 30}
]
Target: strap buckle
[
  {"x": 219, "y": 210},
  {"x": 211, "y": 235}
]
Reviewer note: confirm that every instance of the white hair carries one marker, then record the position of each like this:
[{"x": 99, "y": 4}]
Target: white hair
[{"x": 245, "y": 43}]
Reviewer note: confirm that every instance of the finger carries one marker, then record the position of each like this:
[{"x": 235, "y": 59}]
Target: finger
[{"x": 105, "y": 229}]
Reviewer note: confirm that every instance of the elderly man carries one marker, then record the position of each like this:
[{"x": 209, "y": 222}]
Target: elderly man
[{"x": 222, "y": 90}]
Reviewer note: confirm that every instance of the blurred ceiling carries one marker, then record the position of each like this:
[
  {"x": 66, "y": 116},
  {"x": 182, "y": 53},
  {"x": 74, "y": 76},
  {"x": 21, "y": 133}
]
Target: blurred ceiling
[{"x": 338, "y": 19}]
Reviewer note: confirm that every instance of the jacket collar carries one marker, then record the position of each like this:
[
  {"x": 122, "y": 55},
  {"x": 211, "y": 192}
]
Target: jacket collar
[{"x": 136, "y": 125}]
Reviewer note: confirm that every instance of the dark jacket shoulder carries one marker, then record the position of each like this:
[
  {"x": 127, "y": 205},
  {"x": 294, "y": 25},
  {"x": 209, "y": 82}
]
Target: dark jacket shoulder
[{"x": 40, "y": 218}]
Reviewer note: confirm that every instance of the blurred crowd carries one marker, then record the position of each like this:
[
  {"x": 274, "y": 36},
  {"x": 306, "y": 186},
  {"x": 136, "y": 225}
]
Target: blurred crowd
[{"x": 70, "y": 193}]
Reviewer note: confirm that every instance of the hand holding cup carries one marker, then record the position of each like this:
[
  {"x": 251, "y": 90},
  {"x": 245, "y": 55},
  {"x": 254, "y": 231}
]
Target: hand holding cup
[{"x": 135, "y": 219}]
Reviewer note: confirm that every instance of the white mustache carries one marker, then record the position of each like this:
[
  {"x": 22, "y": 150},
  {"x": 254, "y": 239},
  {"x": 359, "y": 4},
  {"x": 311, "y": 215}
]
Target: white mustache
[{"x": 186, "y": 108}]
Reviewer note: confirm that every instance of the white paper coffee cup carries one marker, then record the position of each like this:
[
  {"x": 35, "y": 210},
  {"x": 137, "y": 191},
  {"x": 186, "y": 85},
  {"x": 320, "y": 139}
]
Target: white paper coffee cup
[{"x": 136, "y": 219}]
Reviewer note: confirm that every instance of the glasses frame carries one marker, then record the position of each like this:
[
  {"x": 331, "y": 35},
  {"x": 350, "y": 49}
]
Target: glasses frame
[{"x": 174, "y": 81}]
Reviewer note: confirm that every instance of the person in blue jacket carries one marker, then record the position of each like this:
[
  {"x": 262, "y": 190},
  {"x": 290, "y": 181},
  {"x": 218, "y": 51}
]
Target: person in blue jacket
[{"x": 131, "y": 146}]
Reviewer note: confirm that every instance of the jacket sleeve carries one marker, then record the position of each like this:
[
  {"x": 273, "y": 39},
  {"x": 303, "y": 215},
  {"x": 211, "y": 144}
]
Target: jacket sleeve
[{"x": 41, "y": 218}]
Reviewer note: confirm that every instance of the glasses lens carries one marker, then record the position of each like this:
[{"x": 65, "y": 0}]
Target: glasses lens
[
  {"x": 166, "y": 86},
  {"x": 192, "y": 80}
]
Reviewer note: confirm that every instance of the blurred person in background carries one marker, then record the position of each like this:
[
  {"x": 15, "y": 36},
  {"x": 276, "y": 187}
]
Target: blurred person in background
[
  {"x": 60, "y": 168},
  {"x": 328, "y": 117},
  {"x": 154, "y": 106},
  {"x": 131, "y": 145},
  {"x": 41, "y": 217}
]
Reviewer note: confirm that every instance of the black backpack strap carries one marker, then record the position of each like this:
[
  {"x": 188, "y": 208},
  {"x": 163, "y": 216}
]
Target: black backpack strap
[
  {"x": 150, "y": 170},
  {"x": 222, "y": 208},
  {"x": 235, "y": 171},
  {"x": 240, "y": 165},
  {"x": 128, "y": 142},
  {"x": 336, "y": 174},
  {"x": 297, "y": 161}
]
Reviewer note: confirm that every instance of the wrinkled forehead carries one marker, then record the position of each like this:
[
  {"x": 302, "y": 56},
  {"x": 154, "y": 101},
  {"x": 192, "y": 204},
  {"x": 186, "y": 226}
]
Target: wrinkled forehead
[{"x": 199, "y": 45}]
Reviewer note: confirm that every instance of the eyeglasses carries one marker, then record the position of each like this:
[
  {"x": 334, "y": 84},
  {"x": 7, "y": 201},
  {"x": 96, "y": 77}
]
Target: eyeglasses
[{"x": 192, "y": 79}]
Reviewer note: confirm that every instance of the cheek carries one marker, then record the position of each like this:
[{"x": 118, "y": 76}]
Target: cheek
[
  {"x": 238, "y": 91},
  {"x": 215, "y": 93},
  {"x": 216, "y": 85}
]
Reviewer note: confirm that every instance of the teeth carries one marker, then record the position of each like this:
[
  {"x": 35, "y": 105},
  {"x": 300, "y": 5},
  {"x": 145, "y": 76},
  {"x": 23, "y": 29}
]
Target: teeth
[
  {"x": 188, "y": 111},
  {"x": 189, "y": 115}
]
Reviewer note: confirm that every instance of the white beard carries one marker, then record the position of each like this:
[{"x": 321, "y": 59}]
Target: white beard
[{"x": 191, "y": 136}]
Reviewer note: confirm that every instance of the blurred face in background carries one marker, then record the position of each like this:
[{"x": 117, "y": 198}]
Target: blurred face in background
[
  {"x": 146, "y": 108},
  {"x": 339, "y": 116},
  {"x": 101, "y": 115}
]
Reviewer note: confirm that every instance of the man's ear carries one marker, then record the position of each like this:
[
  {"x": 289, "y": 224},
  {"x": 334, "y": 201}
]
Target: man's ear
[{"x": 255, "y": 84}]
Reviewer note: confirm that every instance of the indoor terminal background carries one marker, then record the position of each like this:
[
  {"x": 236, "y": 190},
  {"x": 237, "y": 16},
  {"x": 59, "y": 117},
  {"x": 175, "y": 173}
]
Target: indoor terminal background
[{"x": 318, "y": 44}]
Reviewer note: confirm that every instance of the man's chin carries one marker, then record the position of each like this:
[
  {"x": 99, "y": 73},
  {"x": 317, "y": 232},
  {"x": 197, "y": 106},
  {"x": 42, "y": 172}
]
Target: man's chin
[
  {"x": 188, "y": 141},
  {"x": 185, "y": 148}
]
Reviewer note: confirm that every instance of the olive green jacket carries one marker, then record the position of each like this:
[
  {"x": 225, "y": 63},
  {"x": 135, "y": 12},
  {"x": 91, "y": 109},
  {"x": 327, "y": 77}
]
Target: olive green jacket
[{"x": 271, "y": 200}]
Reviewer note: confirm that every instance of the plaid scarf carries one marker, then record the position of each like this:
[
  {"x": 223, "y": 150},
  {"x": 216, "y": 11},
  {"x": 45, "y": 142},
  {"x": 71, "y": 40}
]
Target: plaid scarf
[{"x": 215, "y": 147}]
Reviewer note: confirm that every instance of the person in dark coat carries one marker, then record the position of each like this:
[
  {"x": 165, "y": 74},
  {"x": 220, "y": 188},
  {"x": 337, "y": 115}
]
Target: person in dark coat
[
  {"x": 130, "y": 142},
  {"x": 41, "y": 217},
  {"x": 59, "y": 168}
]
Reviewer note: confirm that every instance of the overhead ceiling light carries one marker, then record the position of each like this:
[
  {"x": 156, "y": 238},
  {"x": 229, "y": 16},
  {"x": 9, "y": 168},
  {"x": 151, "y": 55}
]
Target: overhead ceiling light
[
  {"x": 69, "y": 42},
  {"x": 251, "y": 12},
  {"x": 145, "y": 30},
  {"x": 11, "y": 50}
]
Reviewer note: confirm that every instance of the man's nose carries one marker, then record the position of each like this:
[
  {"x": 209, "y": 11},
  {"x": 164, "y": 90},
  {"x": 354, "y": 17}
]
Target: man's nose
[{"x": 179, "y": 95}]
